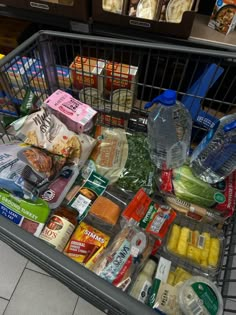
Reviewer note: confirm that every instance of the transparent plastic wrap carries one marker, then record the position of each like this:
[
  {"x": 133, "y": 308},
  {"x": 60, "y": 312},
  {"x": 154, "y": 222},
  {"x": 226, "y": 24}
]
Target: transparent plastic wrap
[
  {"x": 139, "y": 170},
  {"x": 199, "y": 245},
  {"x": 124, "y": 257}
]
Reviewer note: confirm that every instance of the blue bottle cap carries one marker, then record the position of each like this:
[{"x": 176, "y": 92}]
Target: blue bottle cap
[
  {"x": 168, "y": 98},
  {"x": 230, "y": 126}
]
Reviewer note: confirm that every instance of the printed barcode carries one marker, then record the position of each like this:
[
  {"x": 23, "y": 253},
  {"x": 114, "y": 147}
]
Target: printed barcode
[
  {"x": 195, "y": 308},
  {"x": 81, "y": 203},
  {"x": 157, "y": 224},
  {"x": 201, "y": 241}
]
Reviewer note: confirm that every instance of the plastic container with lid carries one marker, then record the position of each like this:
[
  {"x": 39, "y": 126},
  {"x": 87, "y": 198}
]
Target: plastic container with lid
[
  {"x": 215, "y": 157},
  {"x": 169, "y": 131},
  {"x": 60, "y": 227},
  {"x": 200, "y": 296},
  {"x": 198, "y": 245}
]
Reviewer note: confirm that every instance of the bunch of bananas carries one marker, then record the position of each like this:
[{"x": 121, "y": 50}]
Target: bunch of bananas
[{"x": 200, "y": 248}]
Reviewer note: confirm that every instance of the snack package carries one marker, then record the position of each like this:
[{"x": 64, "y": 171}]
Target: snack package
[
  {"x": 88, "y": 192},
  {"x": 187, "y": 187},
  {"x": 58, "y": 189},
  {"x": 85, "y": 244},
  {"x": 152, "y": 217},
  {"x": 110, "y": 154},
  {"x": 124, "y": 257},
  {"x": 77, "y": 116},
  {"x": 172, "y": 10},
  {"x": 87, "y": 73},
  {"x": 25, "y": 170},
  {"x": 145, "y": 9},
  {"x": 44, "y": 130},
  {"x": 120, "y": 85},
  {"x": 199, "y": 245},
  {"x": 29, "y": 215},
  {"x": 139, "y": 170},
  {"x": 223, "y": 18}
]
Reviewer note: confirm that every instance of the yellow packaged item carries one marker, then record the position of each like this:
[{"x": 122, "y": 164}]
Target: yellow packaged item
[{"x": 85, "y": 244}]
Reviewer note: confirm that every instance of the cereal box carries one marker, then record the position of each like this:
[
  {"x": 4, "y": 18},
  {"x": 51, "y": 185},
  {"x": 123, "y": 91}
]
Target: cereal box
[
  {"x": 85, "y": 244},
  {"x": 87, "y": 72},
  {"x": 120, "y": 85},
  {"x": 223, "y": 18}
]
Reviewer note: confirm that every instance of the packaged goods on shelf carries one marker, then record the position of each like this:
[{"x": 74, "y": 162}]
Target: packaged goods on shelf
[
  {"x": 117, "y": 6},
  {"x": 223, "y": 18},
  {"x": 172, "y": 10},
  {"x": 146, "y": 9}
]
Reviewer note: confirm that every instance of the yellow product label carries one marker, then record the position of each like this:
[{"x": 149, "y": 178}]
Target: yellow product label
[
  {"x": 86, "y": 243},
  {"x": 2, "y": 56},
  {"x": 57, "y": 232}
]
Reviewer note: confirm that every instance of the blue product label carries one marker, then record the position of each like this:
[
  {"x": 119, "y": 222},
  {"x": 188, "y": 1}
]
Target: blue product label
[{"x": 9, "y": 214}]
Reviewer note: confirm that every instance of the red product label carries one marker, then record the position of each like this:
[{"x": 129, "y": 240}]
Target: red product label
[
  {"x": 138, "y": 207},
  {"x": 122, "y": 272},
  {"x": 230, "y": 196},
  {"x": 166, "y": 181},
  {"x": 156, "y": 247}
]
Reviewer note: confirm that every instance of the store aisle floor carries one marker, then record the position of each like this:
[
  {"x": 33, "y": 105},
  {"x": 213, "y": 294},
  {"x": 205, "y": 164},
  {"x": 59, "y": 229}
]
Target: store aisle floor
[{"x": 26, "y": 289}]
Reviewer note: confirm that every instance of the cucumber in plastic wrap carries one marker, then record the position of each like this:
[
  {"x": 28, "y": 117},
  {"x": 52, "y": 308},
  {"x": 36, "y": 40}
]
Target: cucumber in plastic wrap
[{"x": 190, "y": 188}]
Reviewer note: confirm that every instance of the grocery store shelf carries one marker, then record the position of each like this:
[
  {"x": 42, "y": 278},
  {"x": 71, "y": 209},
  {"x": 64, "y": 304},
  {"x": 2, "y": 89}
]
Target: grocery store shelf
[
  {"x": 202, "y": 34},
  {"x": 80, "y": 280}
]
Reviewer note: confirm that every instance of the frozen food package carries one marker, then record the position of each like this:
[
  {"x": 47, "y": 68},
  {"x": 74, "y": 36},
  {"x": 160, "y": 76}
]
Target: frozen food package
[
  {"x": 44, "y": 130},
  {"x": 77, "y": 116},
  {"x": 139, "y": 170},
  {"x": 115, "y": 6},
  {"x": 110, "y": 154},
  {"x": 172, "y": 10},
  {"x": 198, "y": 245},
  {"x": 25, "y": 170},
  {"x": 124, "y": 257},
  {"x": 85, "y": 244},
  {"x": 29, "y": 215},
  {"x": 145, "y": 9},
  {"x": 58, "y": 188}
]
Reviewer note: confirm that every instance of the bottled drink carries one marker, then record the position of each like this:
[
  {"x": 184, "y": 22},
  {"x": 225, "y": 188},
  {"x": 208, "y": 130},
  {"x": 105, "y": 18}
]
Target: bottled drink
[
  {"x": 169, "y": 131},
  {"x": 60, "y": 227},
  {"x": 215, "y": 157}
]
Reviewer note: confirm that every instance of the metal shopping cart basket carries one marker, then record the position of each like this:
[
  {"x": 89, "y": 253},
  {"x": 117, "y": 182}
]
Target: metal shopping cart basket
[{"x": 204, "y": 79}]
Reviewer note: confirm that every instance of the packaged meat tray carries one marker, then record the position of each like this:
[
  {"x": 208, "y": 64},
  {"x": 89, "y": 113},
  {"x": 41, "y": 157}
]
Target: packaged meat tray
[{"x": 199, "y": 245}]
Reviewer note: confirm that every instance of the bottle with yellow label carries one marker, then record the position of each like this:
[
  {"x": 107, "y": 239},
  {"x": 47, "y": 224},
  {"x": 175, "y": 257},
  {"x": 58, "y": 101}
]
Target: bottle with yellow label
[{"x": 60, "y": 227}]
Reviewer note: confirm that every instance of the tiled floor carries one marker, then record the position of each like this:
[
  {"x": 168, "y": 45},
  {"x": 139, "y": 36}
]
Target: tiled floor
[{"x": 26, "y": 289}]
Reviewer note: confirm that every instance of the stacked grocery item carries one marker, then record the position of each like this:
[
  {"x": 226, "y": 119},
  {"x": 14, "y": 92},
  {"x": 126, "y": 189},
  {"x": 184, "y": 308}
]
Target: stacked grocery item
[{"x": 90, "y": 191}]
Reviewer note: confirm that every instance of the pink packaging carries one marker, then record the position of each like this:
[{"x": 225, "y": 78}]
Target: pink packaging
[{"x": 77, "y": 116}]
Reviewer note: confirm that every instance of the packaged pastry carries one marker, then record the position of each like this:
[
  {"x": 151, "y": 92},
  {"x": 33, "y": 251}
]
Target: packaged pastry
[
  {"x": 75, "y": 115},
  {"x": 198, "y": 245},
  {"x": 115, "y": 6},
  {"x": 85, "y": 244},
  {"x": 172, "y": 10},
  {"x": 121, "y": 260},
  {"x": 145, "y": 9},
  {"x": 44, "y": 130},
  {"x": 29, "y": 215},
  {"x": 110, "y": 154},
  {"x": 25, "y": 170}
]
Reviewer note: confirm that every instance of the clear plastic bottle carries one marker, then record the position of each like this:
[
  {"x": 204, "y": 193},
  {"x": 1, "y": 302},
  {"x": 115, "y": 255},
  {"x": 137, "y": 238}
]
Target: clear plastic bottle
[
  {"x": 143, "y": 282},
  {"x": 215, "y": 157},
  {"x": 169, "y": 131}
]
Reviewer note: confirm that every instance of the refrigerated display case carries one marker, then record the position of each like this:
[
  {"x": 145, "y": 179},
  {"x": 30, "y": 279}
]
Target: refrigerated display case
[{"x": 160, "y": 67}]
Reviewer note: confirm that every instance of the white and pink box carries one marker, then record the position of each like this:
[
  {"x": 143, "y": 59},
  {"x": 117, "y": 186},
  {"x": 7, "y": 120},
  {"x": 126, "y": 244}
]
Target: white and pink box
[{"x": 77, "y": 116}]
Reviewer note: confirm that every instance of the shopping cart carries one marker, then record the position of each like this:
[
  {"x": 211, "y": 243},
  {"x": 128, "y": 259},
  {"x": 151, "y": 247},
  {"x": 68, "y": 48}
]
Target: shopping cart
[{"x": 205, "y": 81}]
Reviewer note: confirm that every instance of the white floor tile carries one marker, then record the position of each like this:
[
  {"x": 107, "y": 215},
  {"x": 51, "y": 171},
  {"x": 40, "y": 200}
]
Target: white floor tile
[
  {"x": 11, "y": 267},
  {"x": 3, "y": 304},
  {"x": 35, "y": 268},
  {"x": 38, "y": 294},
  {"x": 84, "y": 308}
]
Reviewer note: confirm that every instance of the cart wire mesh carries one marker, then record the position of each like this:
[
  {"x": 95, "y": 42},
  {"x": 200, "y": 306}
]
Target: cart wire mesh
[{"x": 205, "y": 80}]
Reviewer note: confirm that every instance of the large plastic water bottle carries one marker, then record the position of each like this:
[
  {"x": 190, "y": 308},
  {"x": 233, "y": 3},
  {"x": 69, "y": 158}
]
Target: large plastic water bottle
[
  {"x": 215, "y": 157},
  {"x": 169, "y": 131}
]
